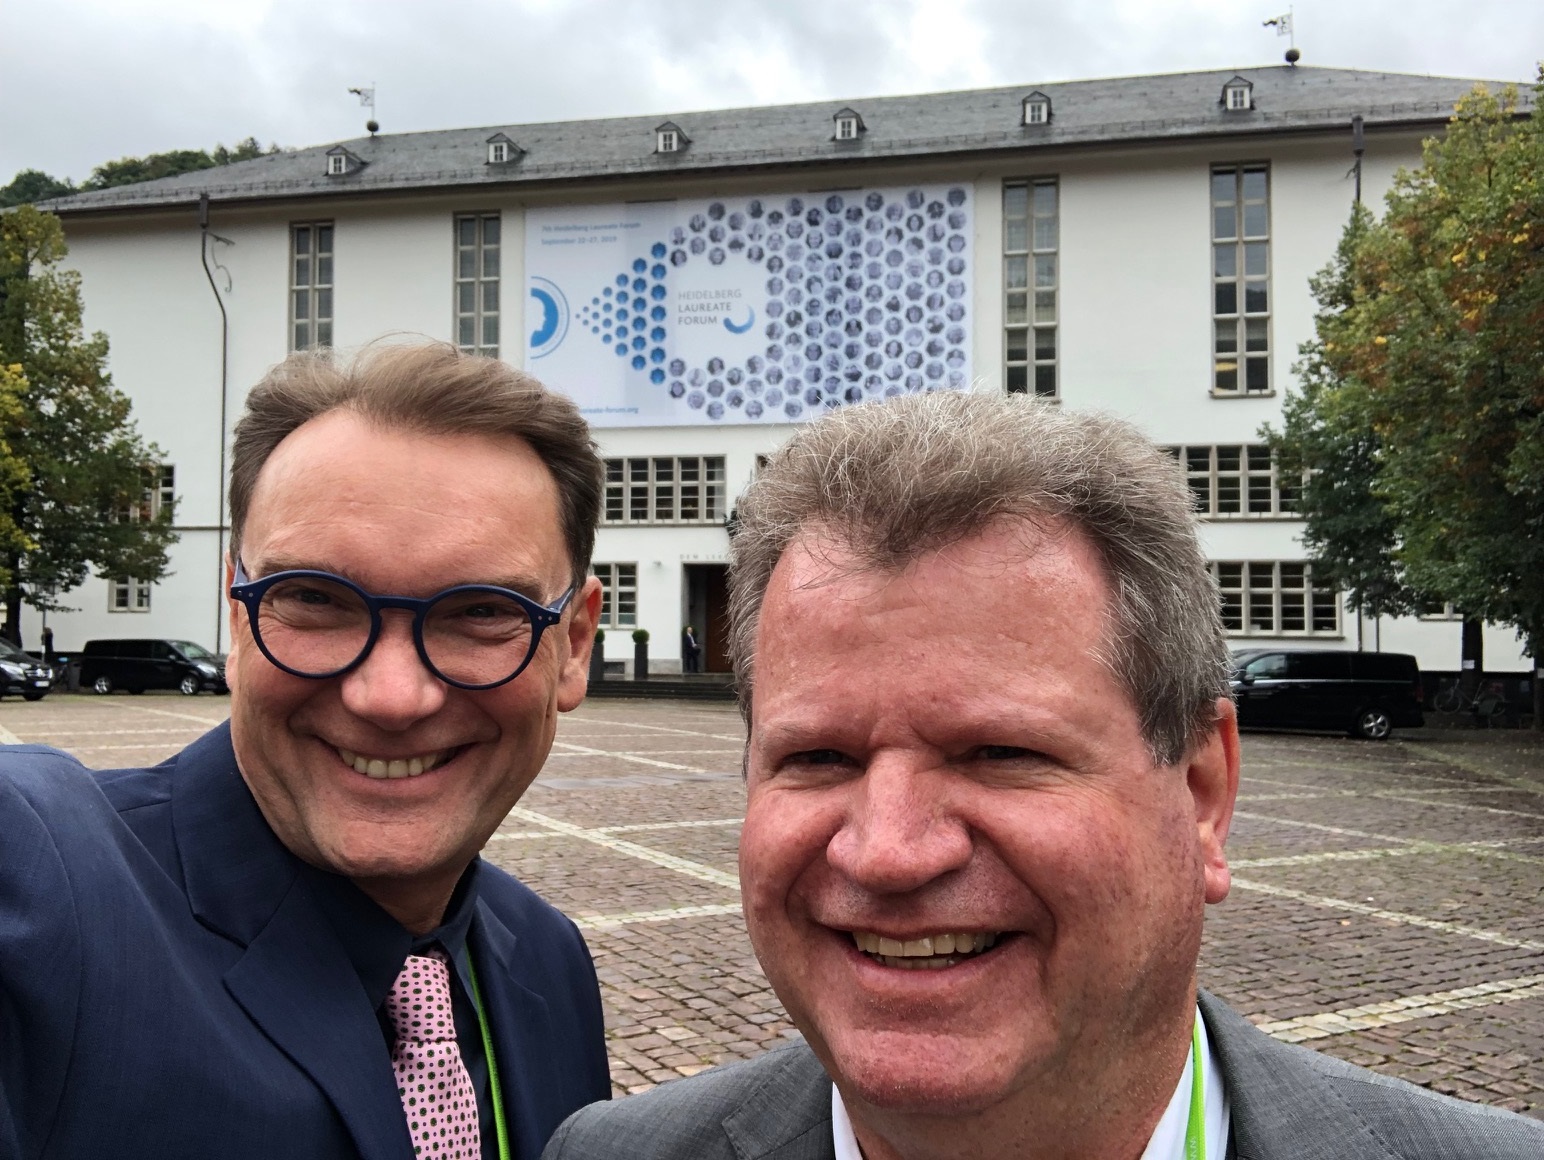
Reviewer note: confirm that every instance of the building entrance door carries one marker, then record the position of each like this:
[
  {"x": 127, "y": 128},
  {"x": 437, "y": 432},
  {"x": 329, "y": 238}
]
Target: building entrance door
[{"x": 707, "y": 611}]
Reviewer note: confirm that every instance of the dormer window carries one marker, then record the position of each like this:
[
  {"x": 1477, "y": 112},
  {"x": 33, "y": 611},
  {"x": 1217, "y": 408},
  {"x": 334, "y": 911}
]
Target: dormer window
[
  {"x": 668, "y": 138},
  {"x": 341, "y": 162},
  {"x": 501, "y": 150},
  {"x": 1238, "y": 95},
  {"x": 1037, "y": 109},
  {"x": 849, "y": 126}
]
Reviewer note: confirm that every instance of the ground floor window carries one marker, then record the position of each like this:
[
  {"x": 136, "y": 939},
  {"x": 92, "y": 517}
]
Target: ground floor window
[
  {"x": 1275, "y": 598},
  {"x": 128, "y": 594},
  {"x": 619, "y": 595}
]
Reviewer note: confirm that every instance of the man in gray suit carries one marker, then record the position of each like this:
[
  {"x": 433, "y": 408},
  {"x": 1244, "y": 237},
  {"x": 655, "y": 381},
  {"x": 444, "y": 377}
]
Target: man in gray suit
[{"x": 991, "y": 768}]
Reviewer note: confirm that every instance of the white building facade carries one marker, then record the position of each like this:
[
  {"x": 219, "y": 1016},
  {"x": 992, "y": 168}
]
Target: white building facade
[{"x": 1140, "y": 246}]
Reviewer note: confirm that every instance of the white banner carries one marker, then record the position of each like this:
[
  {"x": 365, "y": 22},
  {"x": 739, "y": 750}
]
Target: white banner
[{"x": 750, "y": 309}]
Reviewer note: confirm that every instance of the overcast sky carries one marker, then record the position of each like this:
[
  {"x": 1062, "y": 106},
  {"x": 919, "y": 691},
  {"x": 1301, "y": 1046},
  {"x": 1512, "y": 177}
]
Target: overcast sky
[{"x": 84, "y": 81}]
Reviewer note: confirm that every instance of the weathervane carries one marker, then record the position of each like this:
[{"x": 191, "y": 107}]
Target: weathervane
[
  {"x": 366, "y": 95},
  {"x": 1283, "y": 26}
]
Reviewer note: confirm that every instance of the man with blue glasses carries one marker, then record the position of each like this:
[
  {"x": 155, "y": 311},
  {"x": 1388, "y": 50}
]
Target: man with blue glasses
[{"x": 282, "y": 942}]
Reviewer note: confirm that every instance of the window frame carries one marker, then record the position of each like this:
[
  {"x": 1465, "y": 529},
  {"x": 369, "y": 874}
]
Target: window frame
[
  {"x": 637, "y": 494},
  {"x": 128, "y": 594},
  {"x": 1244, "y": 325},
  {"x": 1246, "y": 473},
  {"x": 337, "y": 164},
  {"x": 1026, "y": 369},
  {"x": 667, "y": 141},
  {"x": 847, "y": 128},
  {"x": 498, "y": 152},
  {"x": 478, "y": 283},
  {"x": 1240, "y": 601},
  {"x": 613, "y": 587},
  {"x": 314, "y": 287}
]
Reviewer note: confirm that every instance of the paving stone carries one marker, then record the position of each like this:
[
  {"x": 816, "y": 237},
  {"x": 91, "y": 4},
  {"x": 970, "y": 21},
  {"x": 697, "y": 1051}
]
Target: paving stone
[{"x": 1336, "y": 822}]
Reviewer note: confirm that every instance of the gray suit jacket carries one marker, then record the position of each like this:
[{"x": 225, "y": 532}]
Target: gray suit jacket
[{"x": 1288, "y": 1103}]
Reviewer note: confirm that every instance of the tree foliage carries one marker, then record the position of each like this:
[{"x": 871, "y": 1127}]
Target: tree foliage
[
  {"x": 129, "y": 170},
  {"x": 1422, "y": 403},
  {"x": 74, "y": 509},
  {"x": 32, "y": 185}
]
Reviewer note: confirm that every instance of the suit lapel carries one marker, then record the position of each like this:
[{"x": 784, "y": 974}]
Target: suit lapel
[
  {"x": 521, "y": 1026},
  {"x": 294, "y": 980},
  {"x": 788, "y": 1116},
  {"x": 298, "y": 985},
  {"x": 1280, "y": 1109}
]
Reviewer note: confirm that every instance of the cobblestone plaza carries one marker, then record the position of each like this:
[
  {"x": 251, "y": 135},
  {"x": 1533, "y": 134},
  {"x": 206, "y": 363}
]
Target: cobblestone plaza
[{"x": 1386, "y": 903}]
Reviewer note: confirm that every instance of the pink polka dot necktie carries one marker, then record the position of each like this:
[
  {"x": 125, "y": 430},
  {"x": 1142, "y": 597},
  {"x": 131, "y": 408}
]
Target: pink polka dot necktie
[{"x": 432, "y": 1080}]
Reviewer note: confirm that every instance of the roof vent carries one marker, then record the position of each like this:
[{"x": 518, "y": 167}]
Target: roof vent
[
  {"x": 502, "y": 150},
  {"x": 849, "y": 125},
  {"x": 668, "y": 138},
  {"x": 1238, "y": 95},
  {"x": 1037, "y": 109}
]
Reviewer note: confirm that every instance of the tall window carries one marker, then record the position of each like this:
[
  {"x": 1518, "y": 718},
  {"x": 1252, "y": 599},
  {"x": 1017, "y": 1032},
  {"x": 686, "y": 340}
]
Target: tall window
[
  {"x": 1030, "y": 280},
  {"x": 477, "y": 283},
  {"x": 157, "y": 494},
  {"x": 1241, "y": 220},
  {"x": 1275, "y": 598},
  {"x": 310, "y": 285},
  {"x": 128, "y": 594},
  {"x": 679, "y": 490},
  {"x": 618, "y": 594},
  {"x": 1237, "y": 480}
]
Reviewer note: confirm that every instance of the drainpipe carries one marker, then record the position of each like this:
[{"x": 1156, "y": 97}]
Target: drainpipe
[{"x": 225, "y": 346}]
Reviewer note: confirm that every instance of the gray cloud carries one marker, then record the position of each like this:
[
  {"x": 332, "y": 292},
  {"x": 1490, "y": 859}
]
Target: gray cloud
[{"x": 84, "y": 81}]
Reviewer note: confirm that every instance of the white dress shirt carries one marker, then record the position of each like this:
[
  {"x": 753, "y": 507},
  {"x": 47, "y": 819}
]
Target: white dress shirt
[{"x": 1168, "y": 1139}]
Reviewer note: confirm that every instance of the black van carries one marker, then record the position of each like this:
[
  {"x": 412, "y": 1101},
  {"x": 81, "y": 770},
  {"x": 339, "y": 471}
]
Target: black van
[
  {"x": 137, "y": 665},
  {"x": 1363, "y": 694}
]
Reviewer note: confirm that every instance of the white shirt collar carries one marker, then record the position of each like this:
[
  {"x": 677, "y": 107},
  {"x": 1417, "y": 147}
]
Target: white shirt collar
[{"x": 1168, "y": 1139}]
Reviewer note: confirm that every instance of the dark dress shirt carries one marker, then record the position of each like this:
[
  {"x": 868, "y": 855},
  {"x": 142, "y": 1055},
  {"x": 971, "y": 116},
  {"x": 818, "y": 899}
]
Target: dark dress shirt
[{"x": 378, "y": 946}]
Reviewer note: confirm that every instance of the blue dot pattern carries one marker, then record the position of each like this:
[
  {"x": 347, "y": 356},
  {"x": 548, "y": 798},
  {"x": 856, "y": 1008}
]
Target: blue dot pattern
[
  {"x": 432, "y": 1080},
  {"x": 867, "y": 298}
]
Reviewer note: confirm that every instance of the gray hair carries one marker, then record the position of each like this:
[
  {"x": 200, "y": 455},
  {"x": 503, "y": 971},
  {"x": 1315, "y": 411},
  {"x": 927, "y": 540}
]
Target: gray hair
[{"x": 894, "y": 480}]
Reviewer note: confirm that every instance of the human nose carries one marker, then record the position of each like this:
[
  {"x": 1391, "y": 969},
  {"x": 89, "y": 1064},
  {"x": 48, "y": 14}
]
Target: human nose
[
  {"x": 900, "y": 832},
  {"x": 391, "y": 687}
]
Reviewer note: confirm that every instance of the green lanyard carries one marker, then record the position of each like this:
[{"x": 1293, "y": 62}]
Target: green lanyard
[
  {"x": 1195, "y": 1126},
  {"x": 493, "y": 1068}
]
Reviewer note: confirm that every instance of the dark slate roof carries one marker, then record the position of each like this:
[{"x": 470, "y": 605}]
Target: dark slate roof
[{"x": 1171, "y": 107}]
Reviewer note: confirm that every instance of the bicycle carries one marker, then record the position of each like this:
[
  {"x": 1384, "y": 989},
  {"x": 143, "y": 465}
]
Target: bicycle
[{"x": 1488, "y": 703}]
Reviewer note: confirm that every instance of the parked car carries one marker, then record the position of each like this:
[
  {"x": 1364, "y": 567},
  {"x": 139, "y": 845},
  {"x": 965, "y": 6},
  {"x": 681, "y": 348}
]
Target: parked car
[
  {"x": 22, "y": 673},
  {"x": 1363, "y": 694},
  {"x": 137, "y": 665}
]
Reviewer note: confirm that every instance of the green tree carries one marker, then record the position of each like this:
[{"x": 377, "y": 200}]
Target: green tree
[
  {"x": 33, "y": 185},
  {"x": 1428, "y": 372},
  {"x": 78, "y": 507},
  {"x": 14, "y": 475},
  {"x": 130, "y": 170},
  {"x": 1327, "y": 436}
]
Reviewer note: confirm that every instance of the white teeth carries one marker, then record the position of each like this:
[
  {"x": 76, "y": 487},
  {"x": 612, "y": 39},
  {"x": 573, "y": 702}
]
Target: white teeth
[
  {"x": 382, "y": 769},
  {"x": 939, "y": 950}
]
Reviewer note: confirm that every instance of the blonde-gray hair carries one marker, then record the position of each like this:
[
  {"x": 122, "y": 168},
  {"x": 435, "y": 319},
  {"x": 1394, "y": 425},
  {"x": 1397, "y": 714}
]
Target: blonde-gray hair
[{"x": 894, "y": 480}]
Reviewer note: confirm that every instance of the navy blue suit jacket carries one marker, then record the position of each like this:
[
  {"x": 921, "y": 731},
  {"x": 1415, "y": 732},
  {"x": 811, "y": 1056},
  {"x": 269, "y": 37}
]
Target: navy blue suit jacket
[{"x": 169, "y": 987}]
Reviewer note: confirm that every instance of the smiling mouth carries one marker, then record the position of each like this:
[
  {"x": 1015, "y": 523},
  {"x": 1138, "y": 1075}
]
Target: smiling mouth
[
  {"x": 933, "y": 953},
  {"x": 383, "y": 768}
]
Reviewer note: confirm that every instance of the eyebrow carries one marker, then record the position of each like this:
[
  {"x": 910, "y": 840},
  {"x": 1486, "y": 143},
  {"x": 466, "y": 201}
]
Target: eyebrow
[{"x": 526, "y": 585}]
